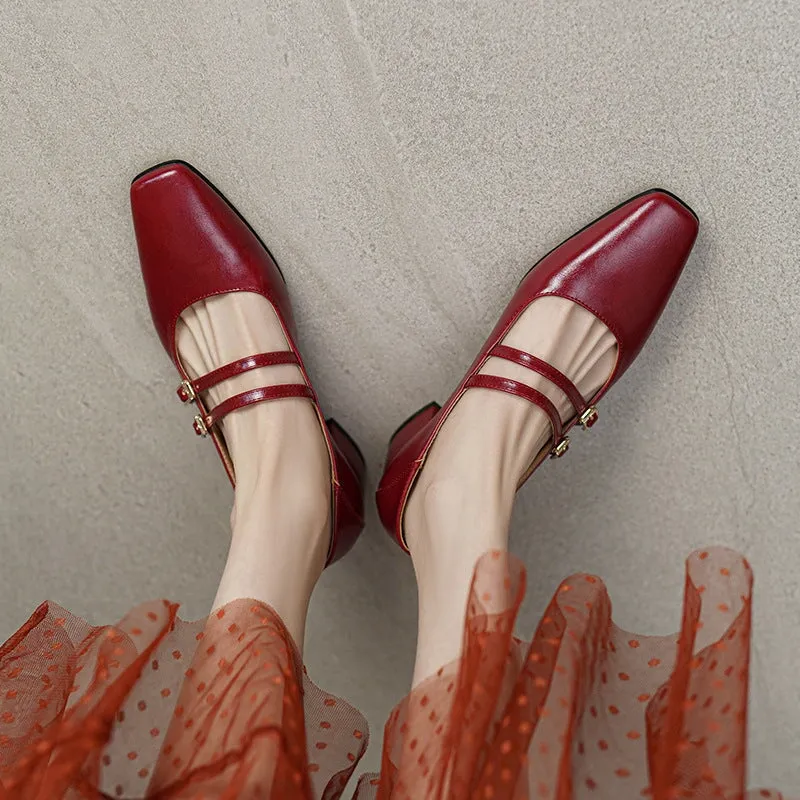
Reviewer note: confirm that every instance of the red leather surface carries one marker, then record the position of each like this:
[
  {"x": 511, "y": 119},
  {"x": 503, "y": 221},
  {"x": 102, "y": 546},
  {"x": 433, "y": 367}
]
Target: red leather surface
[
  {"x": 259, "y": 395},
  {"x": 228, "y": 371},
  {"x": 193, "y": 245},
  {"x": 351, "y": 471}
]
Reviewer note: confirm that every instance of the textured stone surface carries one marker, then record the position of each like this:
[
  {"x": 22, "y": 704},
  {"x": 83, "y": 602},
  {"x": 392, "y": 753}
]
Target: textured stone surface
[{"x": 406, "y": 163}]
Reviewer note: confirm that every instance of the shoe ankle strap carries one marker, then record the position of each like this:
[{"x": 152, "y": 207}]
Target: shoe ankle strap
[
  {"x": 545, "y": 370},
  {"x": 202, "y": 423},
  {"x": 586, "y": 414},
  {"x": 188, "y": 390}
]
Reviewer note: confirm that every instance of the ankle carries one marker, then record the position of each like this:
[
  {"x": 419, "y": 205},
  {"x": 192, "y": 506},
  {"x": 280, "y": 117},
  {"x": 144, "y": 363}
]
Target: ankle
[
  {"x": 273, "y": 501},
  {"x": 456, "y": 519}
]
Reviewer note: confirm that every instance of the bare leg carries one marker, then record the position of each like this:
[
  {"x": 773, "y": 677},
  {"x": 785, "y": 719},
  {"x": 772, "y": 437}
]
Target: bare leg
[
  {"x": 280, "y": 526},
  {"x": 461, "y": 504},
  {"x": 281, "y": 511}
]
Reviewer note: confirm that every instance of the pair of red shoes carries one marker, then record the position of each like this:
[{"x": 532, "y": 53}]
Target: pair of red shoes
[{"x": 193, "y": 244}]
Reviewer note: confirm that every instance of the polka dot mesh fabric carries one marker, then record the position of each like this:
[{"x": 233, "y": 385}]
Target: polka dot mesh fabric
[{"x": 155, "y": 707}]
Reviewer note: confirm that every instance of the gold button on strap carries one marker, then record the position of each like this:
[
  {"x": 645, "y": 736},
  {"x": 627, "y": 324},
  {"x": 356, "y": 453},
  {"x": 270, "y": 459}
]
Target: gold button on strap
[
  {"x": 200, "y": 427},
  {"x": 186, "y": 392},
  {"x": 560, "y": 448},
  {"x": 588, "y": 418}
]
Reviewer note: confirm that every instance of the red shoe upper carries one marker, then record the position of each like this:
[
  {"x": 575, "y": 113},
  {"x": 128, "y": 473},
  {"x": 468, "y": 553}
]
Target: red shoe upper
[
  {"x": 193, "y": 245},
  {"x": 622, "y": 268}
]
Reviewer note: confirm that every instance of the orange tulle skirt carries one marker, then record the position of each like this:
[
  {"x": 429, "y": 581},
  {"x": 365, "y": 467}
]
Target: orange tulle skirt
[{"x": 157, "y": 707}]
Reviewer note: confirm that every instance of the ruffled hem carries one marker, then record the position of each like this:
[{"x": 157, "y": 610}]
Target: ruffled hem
[{"x": 157, "y": 707}]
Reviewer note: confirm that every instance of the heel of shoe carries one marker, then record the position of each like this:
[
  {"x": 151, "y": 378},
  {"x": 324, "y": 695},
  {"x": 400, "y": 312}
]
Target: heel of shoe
[
  {"x": 401, "y": 466},
  {"x": 411, "y": 427},
  {"x": 351, "y": 469},
  {"x": 348, "y": 448}
]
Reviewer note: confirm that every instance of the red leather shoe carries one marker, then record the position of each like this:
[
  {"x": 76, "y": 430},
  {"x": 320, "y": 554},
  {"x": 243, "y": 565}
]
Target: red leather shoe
[
  {"x": 623, "y": 268},
  {"x": 193, "y": 244}
]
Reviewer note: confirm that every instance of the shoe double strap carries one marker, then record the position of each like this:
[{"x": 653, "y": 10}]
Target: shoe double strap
[
  {"x": 586, "y": 414},
  {"x": 189, "y": 391}
]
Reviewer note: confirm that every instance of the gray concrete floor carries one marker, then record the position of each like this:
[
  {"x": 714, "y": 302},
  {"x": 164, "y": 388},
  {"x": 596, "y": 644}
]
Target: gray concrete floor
[{"x": 406, "y": 163}]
